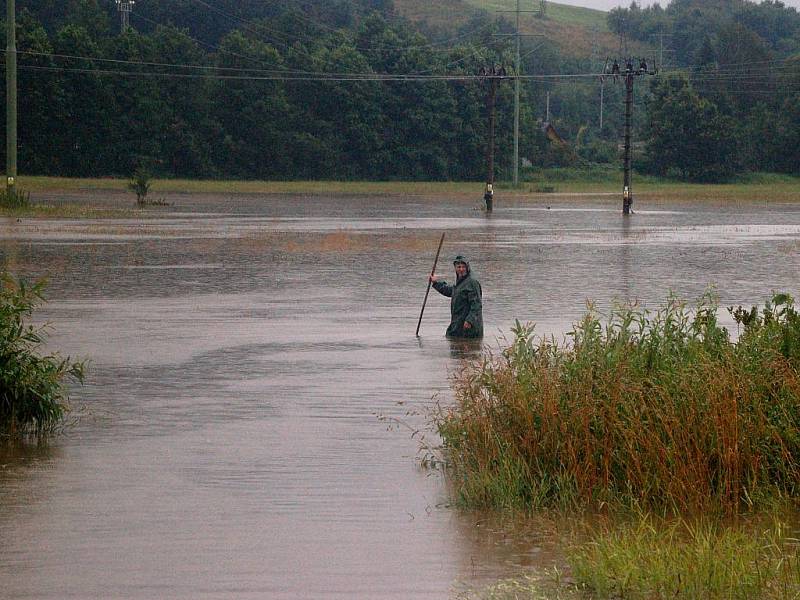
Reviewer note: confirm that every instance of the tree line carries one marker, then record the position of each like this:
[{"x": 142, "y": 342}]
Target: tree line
[
  {"x": 728, "y": 99},
  {"x": 272, "y": 90},
  {"x": 95, "y": 102}
]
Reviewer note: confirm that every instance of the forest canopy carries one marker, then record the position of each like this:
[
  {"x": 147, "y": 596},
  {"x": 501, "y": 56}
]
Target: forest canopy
[{"x": 347, "y": 89}]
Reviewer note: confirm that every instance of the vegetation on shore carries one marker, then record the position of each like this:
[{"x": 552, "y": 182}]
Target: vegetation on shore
[
  {"x": 33, "y": 392},
  {"x": 599, "y": 179},
  {"x": 704, "y": 559},
  {"x": 646, "y": 557},
  {"x": 641, "y": 414},
  {"x": 653, "y": 410}
]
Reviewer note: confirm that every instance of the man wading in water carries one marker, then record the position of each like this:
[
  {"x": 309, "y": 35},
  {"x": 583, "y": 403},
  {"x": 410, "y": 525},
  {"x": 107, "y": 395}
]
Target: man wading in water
[{"x": 466, "y": 309}]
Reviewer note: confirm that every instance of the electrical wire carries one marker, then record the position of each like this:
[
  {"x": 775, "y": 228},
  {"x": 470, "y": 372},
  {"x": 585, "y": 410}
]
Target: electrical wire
[{"x": 292, "y": 77}]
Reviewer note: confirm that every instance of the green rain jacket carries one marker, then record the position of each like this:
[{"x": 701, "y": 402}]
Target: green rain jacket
[{"x": 465, "y": 303}]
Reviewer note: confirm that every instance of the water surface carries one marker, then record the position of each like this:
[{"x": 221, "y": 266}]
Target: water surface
[{"x": 255, "y": 381}]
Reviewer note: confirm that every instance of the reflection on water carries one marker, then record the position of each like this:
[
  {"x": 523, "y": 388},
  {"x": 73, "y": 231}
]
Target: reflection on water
[
  {"x": 243, "y": 349},
  {"x": 465, "y": 348}
]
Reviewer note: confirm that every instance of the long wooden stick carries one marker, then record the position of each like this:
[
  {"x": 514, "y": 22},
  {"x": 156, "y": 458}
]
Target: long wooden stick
[{"x": 433, "y": 272}]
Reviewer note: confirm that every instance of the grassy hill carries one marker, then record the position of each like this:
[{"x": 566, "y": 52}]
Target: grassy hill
[{"x": 572, "y": 29}]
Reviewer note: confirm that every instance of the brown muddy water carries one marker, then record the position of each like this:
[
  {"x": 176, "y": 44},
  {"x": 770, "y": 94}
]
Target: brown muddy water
[{"x": 245, "y": 429}]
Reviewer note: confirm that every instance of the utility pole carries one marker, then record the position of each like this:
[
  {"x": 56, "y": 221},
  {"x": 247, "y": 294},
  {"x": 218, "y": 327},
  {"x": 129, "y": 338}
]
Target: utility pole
[
  {"x": 124, "y": 7},
  {"x": 627, "y": 194},
  {"x": 661, "y": 48},
  {"x": 630, "y": 74},
  {"x": 517, "y": 71},
  {"x": 602, "y": 90},
  {"x": 11, "y": 102},
  {"x": 594, "y": 64},
  {"x": 547, "y": 119},
  {"x": 493, "y": 74}
]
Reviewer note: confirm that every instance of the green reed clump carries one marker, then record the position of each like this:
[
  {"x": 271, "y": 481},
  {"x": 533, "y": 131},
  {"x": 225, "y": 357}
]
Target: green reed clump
[
  {"x": 703, "y": 560},
  {"x": 641, "y": 409},
  {"x": 14, "y": 200},
  {"x": 32, "y": 387}
]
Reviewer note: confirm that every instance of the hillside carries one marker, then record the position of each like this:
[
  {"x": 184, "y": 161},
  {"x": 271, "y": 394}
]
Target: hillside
[{"x": 572, "y": 29}]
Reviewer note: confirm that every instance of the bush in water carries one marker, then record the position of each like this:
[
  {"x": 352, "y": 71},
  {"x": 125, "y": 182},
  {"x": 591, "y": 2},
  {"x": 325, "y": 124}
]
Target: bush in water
[{"x": 32, "y": 387}]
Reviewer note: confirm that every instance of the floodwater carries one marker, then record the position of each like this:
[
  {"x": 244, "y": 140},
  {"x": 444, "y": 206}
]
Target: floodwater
[{"x": 247, "y": 426}]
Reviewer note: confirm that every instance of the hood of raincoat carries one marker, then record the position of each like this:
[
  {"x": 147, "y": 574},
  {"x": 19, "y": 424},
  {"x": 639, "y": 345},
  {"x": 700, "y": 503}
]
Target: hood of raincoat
[{"x": 462, "y": 259}]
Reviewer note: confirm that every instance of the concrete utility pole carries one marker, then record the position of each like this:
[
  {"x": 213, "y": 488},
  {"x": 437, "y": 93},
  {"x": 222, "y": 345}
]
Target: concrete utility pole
[
  {"x": 517, "y": 71},
  {"x": 594, "y": 65},
  {"x": 602, "y": 90},
  {"x": 494, "y": 74},
  {"x": 547, "y": 108},
  {"x": 629, "y": 73},
  {"x": 124, "y": 7},
  {"x": 661, "y": 62},
  {"x": 11, "y": 101}
]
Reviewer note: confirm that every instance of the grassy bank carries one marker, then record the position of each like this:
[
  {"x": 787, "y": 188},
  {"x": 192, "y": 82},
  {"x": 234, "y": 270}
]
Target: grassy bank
[
  {"x": 599, "y": 180},
  {"x": 642, "y": 414},
  {"x": 654, "y": 410},
  {"x": 646, "y": 557},
  {"x": 701, "y": 559}
]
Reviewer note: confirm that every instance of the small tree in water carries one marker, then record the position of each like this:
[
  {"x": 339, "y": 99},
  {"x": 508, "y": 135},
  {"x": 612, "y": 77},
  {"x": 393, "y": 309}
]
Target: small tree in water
[
  {"x": 140, "y": 185},
  {"x": 32, "y": 388}
]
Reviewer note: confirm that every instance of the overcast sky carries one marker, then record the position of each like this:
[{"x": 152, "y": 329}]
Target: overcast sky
[{"x": 609, "y": 4}]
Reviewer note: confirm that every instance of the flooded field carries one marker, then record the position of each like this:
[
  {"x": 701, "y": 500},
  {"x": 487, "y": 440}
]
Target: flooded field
[{"x": 246, "y": 425}]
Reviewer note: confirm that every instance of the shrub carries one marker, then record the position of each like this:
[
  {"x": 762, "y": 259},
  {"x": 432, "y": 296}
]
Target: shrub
[
  {"x": 653, "y": 410},
  {"x": 140, "y": 185},
  {"x": 32, "y": 387}
]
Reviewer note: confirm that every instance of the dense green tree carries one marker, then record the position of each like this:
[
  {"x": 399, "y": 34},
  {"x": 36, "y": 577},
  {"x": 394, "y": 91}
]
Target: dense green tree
[
  {"x": 186, "y": 123},
  {"x": 39, "y": 96},
  {"x": 87, "y": 109},
  {"x": 252, "y": 112},
  {"x": 743, "y": 61},
  {"x": 783, "y": 139},
  {"x": 771, "y": 20},
  {"x": 686, "y": 134}
]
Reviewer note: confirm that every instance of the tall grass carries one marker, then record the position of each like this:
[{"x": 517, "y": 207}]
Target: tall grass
[
  {"x": 32, "y": 387},
  {"x": 655, "y": 410},
  {"x": 702, "y": 559}
]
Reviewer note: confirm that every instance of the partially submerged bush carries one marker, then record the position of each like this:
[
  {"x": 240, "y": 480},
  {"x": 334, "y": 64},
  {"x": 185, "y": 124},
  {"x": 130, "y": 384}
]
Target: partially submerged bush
[
  {"x": 653, "y": 410},
  {"x": 32, "y": 387}
]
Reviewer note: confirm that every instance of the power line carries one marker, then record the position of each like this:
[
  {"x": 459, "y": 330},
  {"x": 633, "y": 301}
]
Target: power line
[{"x": 297, "y": 77}]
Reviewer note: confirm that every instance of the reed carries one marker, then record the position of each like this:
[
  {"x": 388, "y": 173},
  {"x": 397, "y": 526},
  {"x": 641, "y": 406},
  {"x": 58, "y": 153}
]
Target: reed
[
  {"x": 32, "y": 387},
  {"x": 642, "y": 409}
]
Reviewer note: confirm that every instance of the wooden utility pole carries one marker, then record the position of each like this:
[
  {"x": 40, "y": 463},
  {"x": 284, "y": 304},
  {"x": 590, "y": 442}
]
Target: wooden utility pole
[
  {"x": 629, "y": 73},
  {"x": 494, "y": 74},
  {"x": 627, "y": 194}
]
